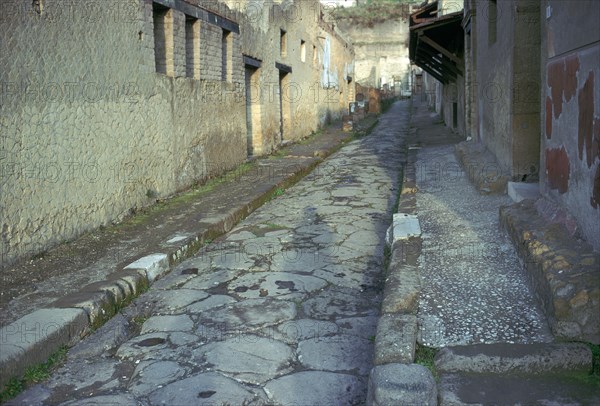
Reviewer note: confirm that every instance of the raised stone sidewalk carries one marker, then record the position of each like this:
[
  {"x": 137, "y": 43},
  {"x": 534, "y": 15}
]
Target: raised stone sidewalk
[{"x": 564, "y": 271}]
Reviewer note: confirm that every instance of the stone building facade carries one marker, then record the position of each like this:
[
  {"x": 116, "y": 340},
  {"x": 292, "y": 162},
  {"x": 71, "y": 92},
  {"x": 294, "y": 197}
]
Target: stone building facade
[
  {"x": 437, "y": 49},
  {"x": 529, "y": 95},
  {"x": 107, "y": 106},
  {"x": 570, "y": 110},
  {"x": 532, "y": 95}
]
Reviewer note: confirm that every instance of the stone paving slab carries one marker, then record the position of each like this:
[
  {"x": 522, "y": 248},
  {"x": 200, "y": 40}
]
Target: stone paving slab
[
  {"x": 253, "y": 319},
  {"x": 468, "y": 389},
  {"x": 536, "y": 358}
]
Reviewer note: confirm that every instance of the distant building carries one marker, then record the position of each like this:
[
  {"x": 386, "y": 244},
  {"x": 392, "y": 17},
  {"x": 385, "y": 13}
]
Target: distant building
[{"x": 380, "y": 43}]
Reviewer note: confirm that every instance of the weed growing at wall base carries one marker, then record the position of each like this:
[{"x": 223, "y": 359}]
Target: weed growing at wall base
[{"x": 33, "y": 375}]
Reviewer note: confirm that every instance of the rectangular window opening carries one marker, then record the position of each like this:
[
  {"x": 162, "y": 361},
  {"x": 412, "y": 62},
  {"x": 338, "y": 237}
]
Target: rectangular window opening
[
  {"x": 283, "y": 43},
  {"x": 302, "y": 50},
  {"x": 226, "y": 56},
  {"x": 492, "y": 21},
  {"x": 163, "y": 39},
  {"x": 192, "y": 47}
]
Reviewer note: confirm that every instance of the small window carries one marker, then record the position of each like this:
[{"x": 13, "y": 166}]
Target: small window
[
  {"x": 163, "y": 39},
  {"x": 226, "y": 54},
  {"x": 302, "y": 50},
  {"x": 283, "y": 43},
  {"x": 192, "y": 47},
  {"x": 492, "y": 21},
  {"x": 314, "y": 55}
]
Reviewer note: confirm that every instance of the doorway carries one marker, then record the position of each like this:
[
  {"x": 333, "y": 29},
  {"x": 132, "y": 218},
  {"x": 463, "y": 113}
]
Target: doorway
[{"x": 252, "y": 109}]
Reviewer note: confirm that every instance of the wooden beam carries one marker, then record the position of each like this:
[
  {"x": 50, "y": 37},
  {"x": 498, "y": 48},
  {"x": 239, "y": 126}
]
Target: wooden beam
[
  {"x": 426, "y": 67},
  {"x": 439, "y": 63},
  {"x": 431, "y": 64},
  {"x": 440, "y": 48}
]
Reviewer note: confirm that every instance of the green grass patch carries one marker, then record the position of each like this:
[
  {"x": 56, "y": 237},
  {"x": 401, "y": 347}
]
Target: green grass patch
[
  {"x": 594, "y": 377},
  {"x": 424, "y": 356},
  {"x": 280, "y": 153},
  {"x": 33, "y": 375},
  {"x": 278, "y": 192},
  {"x": 274, "y": 226}
]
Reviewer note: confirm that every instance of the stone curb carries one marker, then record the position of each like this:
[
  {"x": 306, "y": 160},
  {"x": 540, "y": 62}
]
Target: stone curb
[
  {"x": 564, "y": 271},
  {"x": 395, "y": 379},
  {"x": 34, "y": 337},
  {"x": 31, "y": 339},
  {"x": 481, "y": 168},
  {"x": 532, "y": 359}
]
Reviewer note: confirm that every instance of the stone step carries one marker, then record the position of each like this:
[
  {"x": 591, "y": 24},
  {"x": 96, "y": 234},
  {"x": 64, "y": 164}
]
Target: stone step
[
  {"x": 515, "y": 389},
  {"x": 502, "y": 358}
]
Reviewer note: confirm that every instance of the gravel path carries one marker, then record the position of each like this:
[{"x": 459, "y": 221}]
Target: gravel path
[{"x": 473, "y": 288}]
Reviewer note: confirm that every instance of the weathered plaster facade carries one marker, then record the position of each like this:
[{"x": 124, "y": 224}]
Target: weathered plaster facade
[
  {"x": 381, "y": 51},
  {"x": 106, "y": 107},
  {"x": 506, "y": 59},
  {"x": 448, "y": 100},
  {"x": 570, "y": 110},
  {"x": 537, "y": 111}
]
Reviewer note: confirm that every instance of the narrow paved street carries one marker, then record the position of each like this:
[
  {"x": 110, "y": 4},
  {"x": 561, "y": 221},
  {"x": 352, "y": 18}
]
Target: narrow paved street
[{"x": 281, "y": 310}]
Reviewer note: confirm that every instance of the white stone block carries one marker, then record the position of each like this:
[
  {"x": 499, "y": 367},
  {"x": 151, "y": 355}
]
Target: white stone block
[
  {"x": 403, "y": 227},
  {"x": 155, "y": 265}
]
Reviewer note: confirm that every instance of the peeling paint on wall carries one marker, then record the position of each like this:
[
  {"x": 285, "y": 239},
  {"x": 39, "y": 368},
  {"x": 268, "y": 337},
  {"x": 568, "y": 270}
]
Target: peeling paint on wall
[
  {"x": 548, "y": 117},
  {"x": 329, "y": 78},
  {"x": 562, "y": 79},
  {"x": 586, "y": 121},
  {"x": 557, "y": 169},
  {"x": 595, "y": 199}
]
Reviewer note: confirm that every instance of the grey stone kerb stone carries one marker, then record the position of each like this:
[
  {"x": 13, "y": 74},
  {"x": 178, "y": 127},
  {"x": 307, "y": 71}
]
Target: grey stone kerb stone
[
  {"x": 155, "y": 266},
  {"x": 395, "y": 379},
  {"x": 403, "y": 227},
  {"x": 33, "y": 338}
]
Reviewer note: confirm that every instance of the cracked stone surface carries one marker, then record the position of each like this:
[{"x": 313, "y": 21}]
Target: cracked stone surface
[
  {"x": 474, "y": 289},
  {"x": 281, "y": 310}
]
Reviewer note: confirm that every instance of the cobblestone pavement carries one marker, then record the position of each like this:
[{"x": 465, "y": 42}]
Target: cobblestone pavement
[
  {"x": 474, "y": 289},
  {"x": 281, "y": 310}
]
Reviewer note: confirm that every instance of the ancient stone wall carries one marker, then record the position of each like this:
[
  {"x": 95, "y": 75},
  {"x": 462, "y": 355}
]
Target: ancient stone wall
[
  {"x": 570, "y": 111},
  {"x": 495, "y": 40},
  {"x": 106, "y": 106}
]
